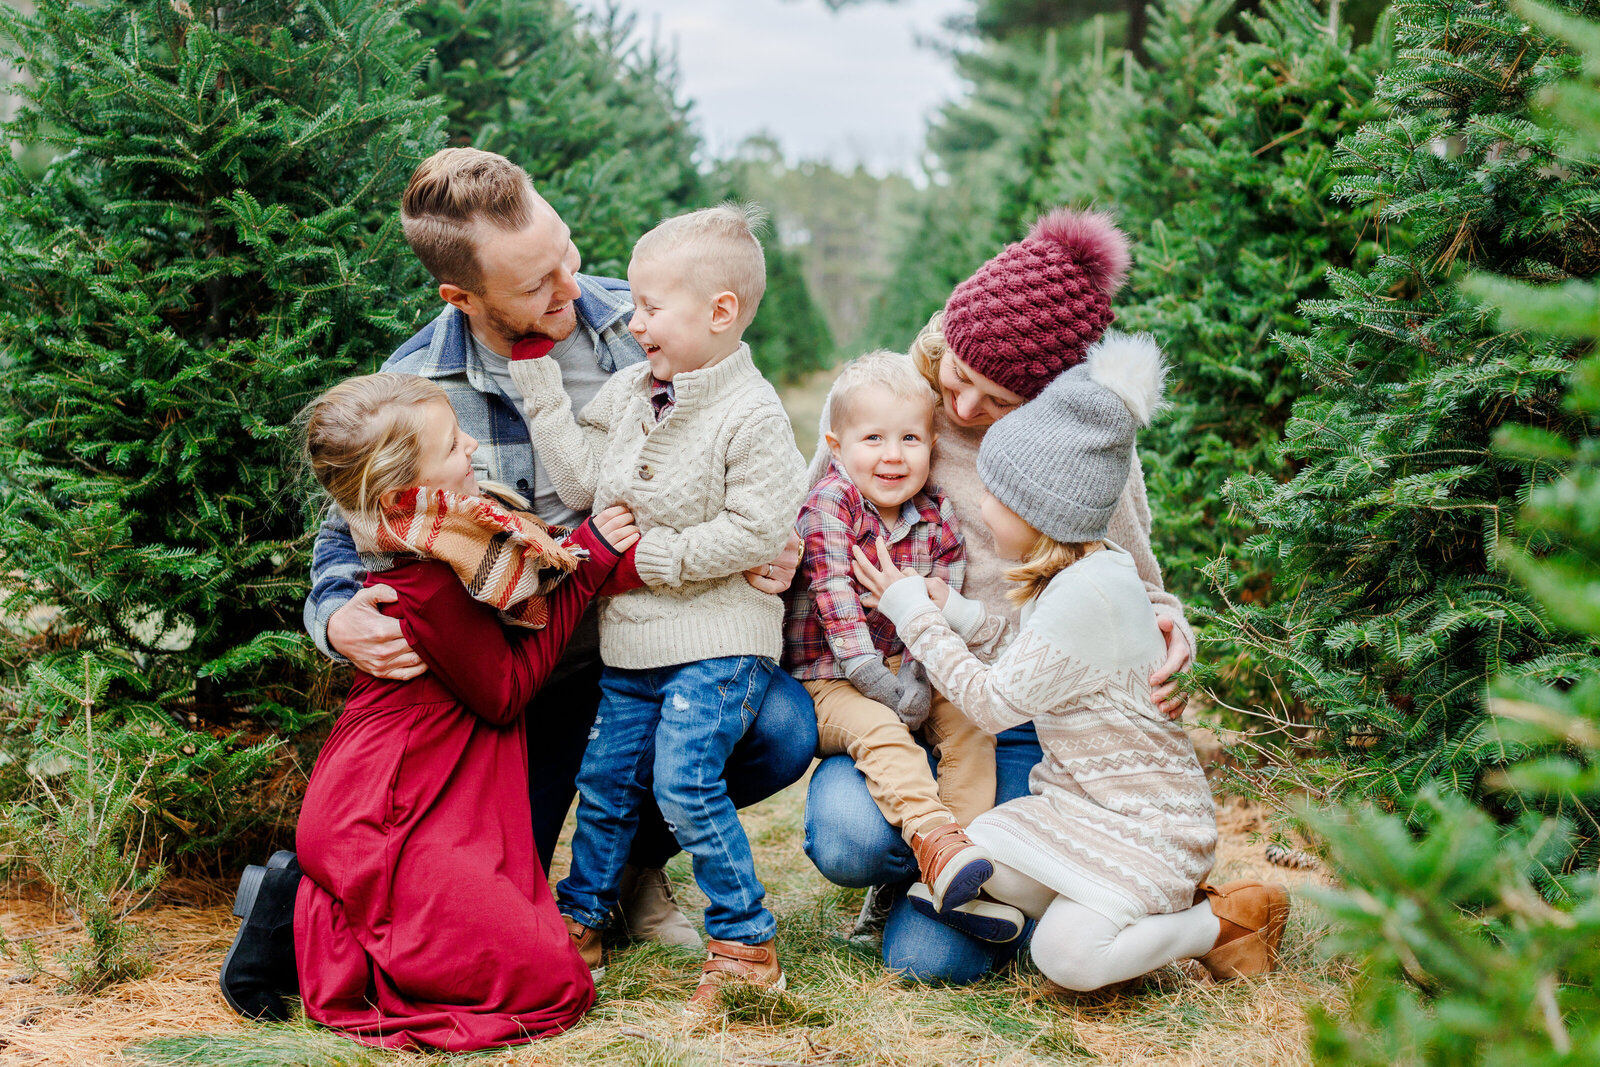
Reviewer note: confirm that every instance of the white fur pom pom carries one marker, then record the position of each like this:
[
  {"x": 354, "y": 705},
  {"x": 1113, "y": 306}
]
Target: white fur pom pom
[{"x": 1131, "y": 366}]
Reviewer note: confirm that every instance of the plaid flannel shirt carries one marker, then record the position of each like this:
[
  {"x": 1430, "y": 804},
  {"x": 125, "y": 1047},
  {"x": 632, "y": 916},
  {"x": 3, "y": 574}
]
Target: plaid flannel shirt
[
  {"x": 826, "y": 625},
  {"x": 441, "y": 351}
]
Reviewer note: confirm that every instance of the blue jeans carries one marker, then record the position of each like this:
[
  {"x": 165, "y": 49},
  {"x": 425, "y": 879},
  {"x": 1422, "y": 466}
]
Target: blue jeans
[
  {"x": 670, "y": 730},
  {"x": 773, "y": 755},
  {"x": 852, "y": 844}
]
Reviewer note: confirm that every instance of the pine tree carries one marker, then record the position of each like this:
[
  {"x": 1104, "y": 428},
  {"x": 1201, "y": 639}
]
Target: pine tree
[
  {"x": 1461, "y": 961},
  {"x": 590, "y": 114},
  {"x": 1387, "y": 533},
  {"x": 1230, "y": 199},
  {"x": 214, "y": 242}
]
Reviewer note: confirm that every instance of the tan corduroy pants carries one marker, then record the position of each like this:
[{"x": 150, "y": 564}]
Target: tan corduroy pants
[{"x": 896, "y": 767}]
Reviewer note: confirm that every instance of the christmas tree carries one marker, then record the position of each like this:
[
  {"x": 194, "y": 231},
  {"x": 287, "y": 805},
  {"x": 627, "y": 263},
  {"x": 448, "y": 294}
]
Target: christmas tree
[
  {"x": 1462, "y": 961},
  {"x": 213, "y": 243},
  {"x": 1386, "y": 536}
]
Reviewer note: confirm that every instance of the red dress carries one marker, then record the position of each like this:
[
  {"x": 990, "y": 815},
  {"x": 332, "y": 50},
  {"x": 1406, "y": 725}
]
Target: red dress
[{"x": 424, "y": 918}]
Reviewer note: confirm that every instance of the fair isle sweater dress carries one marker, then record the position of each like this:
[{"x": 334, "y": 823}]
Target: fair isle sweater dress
[{"x": 1119, "y": 816}]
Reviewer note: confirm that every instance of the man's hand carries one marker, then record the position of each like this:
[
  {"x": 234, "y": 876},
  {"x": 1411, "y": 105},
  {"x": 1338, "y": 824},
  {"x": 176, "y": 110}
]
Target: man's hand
[
  {"x": 1162, "y": 691},
  {"x": 371, "y": 640},
  {"x": 775, "y": 577}
]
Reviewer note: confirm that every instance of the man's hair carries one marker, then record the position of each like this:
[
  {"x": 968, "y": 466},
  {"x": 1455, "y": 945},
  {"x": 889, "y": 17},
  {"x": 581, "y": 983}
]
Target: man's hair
[
  {"x": 892, "y": 371},
  {"x": 454, "y": 193},
  {"x": 718, "y": 251}
]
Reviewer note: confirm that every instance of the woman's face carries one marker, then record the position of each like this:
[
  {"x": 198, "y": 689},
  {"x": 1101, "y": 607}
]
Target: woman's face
[{"x": 970, "y": 399}]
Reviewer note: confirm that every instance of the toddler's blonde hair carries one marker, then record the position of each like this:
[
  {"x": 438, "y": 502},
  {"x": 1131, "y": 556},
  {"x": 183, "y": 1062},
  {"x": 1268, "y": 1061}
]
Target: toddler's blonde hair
[
  {"x": 363, "y": 438},
  {"x": 718, "y": 251}
]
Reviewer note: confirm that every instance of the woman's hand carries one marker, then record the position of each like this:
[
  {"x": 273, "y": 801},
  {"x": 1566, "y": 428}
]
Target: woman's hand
[
  {"x": 371, "y": 640},
  {"x": 1178, "y": 651},
  {"x": 616, "y": 525},
  {"x": 875, "y": 578},
  {"x": 775, "y": 577}
]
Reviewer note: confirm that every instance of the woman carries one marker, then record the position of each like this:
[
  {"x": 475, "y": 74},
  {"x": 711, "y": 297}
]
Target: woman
[{"x": 1028, "y": 314}]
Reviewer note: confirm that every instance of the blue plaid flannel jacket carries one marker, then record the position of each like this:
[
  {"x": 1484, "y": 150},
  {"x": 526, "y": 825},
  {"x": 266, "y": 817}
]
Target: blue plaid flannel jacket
[{"x": 441, "y": 351}]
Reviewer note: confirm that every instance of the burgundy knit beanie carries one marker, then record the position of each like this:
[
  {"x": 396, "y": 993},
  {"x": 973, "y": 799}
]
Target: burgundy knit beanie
[{"x": 1032, "y": 311}]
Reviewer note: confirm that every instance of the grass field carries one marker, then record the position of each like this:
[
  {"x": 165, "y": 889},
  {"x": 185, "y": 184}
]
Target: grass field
[{"x": 842, "y": 1006}]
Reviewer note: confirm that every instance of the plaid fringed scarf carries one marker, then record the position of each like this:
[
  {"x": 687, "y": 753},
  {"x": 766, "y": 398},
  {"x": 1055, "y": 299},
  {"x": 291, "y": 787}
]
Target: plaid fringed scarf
[{"x": 508, "y": 559}]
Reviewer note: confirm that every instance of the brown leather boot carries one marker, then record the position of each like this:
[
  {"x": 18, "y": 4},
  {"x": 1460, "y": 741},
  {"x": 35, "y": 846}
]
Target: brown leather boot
[
  {"x": 730, "y": 961},
  {"x": 650, "y": 912},
  {"x": 953, "y": 868},
  {"x": 1252, "y": 915},
  {"x": 586, "y": 940}
]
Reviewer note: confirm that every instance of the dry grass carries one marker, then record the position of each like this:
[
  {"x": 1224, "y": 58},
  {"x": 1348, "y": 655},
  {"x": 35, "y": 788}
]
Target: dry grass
[{"x": 842, "y": 1007}]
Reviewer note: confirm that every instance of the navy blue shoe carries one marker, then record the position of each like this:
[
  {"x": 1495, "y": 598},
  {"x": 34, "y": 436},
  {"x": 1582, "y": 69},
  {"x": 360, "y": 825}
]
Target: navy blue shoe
[{"x": 983, "y": 918}]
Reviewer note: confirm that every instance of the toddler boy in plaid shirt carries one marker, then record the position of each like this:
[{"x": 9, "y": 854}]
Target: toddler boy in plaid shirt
[{"x": 874, "y": 457}]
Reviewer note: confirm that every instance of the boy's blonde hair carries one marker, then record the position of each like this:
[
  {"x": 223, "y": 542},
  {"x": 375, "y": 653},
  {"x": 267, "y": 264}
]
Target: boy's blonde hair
[
  {"x": 1045, "y": 559},
  {"x": 363, "y": 438},
  {"x": 880, "y": 367},
  {"x": 451, "y": 196},
  {"x": 718, "y": 251}
]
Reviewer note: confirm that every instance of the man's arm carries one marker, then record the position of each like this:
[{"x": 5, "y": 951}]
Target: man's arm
[{"x": 343, "y": 618}]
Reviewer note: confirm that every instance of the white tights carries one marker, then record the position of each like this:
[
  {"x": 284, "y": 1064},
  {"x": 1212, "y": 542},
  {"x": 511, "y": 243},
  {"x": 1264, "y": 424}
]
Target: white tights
[{"x": 1078, "y": 948}]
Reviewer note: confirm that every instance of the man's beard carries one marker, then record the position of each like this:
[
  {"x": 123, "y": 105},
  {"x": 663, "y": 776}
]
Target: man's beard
[{"x": 511, "y": 332}]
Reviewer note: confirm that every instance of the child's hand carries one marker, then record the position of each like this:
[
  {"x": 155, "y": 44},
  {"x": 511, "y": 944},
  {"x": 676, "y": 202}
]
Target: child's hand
[
  {"x": 875, "y": 578},
  {"x": 615, "y": 524},
  {"x": 938, "y": 591}
]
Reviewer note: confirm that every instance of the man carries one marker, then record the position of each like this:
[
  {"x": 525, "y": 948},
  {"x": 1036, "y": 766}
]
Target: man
[{"x": 507, "y": 270}]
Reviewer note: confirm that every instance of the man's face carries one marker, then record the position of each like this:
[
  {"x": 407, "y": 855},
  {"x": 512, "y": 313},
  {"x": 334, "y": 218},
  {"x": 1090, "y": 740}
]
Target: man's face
[{"x": 528, "y": 285}]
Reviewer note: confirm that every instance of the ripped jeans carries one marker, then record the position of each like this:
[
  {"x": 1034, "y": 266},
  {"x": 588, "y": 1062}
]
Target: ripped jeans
[{"x": 669, "y": 730}]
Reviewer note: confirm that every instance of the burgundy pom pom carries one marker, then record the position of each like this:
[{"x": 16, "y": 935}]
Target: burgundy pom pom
[{"x": 1093, "y": 240}]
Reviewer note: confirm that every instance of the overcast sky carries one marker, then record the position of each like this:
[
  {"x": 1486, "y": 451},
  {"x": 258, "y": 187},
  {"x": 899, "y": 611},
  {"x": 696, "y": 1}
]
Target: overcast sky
[{"x": 848, "y": 86}]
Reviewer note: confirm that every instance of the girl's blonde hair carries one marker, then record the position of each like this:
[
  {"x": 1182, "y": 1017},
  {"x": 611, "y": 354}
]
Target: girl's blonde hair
[
  {"x": 1045, "y": 559},
  {"x": 928, "y": 349},
  {"x": 363, "y": 438}
]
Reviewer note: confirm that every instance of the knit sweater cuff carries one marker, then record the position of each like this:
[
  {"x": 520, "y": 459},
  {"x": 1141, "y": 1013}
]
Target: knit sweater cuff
[
  {"x": 536, "y": 379},
  {"x": 904, "y": 599},
  {"x": 963, "y": 615},
  {"x": 655, "y": 560}
]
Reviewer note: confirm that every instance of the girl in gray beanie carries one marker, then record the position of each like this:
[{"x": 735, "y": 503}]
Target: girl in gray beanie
[{"x": 1110, "y": 849}]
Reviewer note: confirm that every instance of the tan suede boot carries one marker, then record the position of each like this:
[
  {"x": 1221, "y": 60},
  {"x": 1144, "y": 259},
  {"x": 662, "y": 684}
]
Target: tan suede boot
[
  {"x": 586, "y": 940},
  {"x": 649, "y": 912},
  {"x": 730, "y": 961},
  {"x": 1252, "y": 916}
]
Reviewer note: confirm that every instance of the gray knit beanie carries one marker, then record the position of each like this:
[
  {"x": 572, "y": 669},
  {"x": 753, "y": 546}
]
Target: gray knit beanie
[{"x": 1061, "y": 460}]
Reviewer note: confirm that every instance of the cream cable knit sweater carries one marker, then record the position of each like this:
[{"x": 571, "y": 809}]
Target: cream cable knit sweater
[
  {"x": 1120, "y": 817},
  {"x": 714, "y": 486}
]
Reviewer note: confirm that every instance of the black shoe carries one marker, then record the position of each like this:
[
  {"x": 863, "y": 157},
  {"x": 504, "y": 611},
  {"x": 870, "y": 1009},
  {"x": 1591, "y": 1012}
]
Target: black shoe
[
  {"x": 983, "y": 917},
  {"x": 259, "y": 967}
]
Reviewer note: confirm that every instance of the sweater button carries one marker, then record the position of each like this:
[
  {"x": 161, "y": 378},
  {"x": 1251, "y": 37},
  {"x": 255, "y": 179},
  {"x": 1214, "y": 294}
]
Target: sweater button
[{"x": 645, "y": 473}]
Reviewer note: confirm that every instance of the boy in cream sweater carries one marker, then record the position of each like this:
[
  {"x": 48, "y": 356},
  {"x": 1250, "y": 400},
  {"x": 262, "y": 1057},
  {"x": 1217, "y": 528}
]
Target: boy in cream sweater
[{"x": 697, "y": 445}]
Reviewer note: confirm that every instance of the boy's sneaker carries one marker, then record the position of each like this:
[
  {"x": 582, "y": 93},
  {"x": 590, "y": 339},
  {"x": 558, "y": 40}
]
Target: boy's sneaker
[
  {"x": 259, "y": 968},
  {"x": 953, "y": 868},
  {"x": 586, "y": 939},
  {"x": 731, "y": 961},
  {"x": 982, "y": 917},
  {"x": 649, "y": 912}
]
